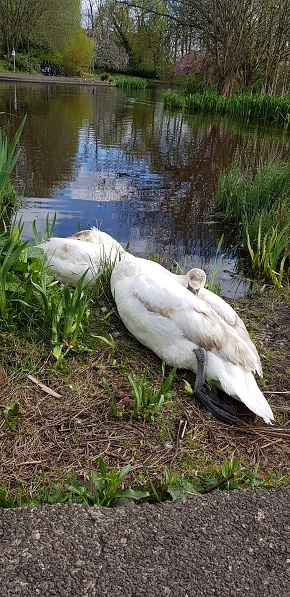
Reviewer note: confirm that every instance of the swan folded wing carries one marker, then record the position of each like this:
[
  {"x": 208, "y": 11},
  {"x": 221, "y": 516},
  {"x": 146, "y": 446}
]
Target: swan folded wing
[
  {"x": 229, "y": 315},
  {"x": 197, "y": 321},
  {"x": 208, "y": 330}
]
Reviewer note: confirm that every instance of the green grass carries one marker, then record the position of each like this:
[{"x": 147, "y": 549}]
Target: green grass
[
  {"x": 129, "y": 82},
  {"x": 107, "y": 488},
  {"x": 8, "y": 158},
  {"x": 258, "y": 204},
  {"x": 241, "y": 105}
]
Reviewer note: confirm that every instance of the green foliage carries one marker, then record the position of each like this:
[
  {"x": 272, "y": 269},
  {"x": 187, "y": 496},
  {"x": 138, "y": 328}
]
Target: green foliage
[
  {"x": 105, "y": 76},
  {"x": 127, "y": 82},
  {"x": 148, "y": 400},
  {"x": 12, "y": 256},
  {"x": 259, "y": 203},
  {"x": 11, "y": 411},
  {"x": 113, "y": 404},
  {"x": 24, "y": 63},
  {"x": 26, "y": 286},
  {"x": 8, "y": 159},
  {"x": 110, "y": 342},
  {"x": 79, "y": 51},
  {"x": 105, "y": 488},
  {"x": 173, "y": 100},
  {"x": 271, "y": 252},
  {"x": 230, "y": 476},
  {"x": 242, "y": 105},
  {"x": 211, "y": 284}
]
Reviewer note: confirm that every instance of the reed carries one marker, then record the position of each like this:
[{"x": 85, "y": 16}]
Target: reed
[
  {"x": 242, "y": 105},
  {"x": 259, "y": 204},
  {"x": 8, "y": 158},
  {"x": 127, "y": 81},
  {"x": 173, "y": 100}
]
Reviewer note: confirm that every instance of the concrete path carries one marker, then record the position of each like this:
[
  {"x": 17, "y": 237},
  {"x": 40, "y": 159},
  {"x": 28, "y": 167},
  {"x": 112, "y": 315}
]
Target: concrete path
[
  {"x": 229, "y": 544},
  {"x": 52, "y": 80}
]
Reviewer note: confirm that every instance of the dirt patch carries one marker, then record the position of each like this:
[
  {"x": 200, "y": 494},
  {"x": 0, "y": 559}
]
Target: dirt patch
[{"x": 58, "y": 436}]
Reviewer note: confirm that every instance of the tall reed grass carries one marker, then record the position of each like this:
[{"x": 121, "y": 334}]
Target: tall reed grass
[
  {"x": 258, "y": 203},
  {"x": 126, "y": 81},
  {"x": 8, "y": 158},
  {"x": 242, "y": 105}
]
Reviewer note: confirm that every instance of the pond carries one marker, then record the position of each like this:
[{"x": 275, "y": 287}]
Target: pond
[{"x": 116, "y": 159}]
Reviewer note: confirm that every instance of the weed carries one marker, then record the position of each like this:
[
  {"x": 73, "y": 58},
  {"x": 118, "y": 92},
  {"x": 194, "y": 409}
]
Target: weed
[
  {"x": 258, "y": 203},
  {"x": 113, "y": 403},
  {"x": 146, "y": 398},
  {"x": 110, "y": 342},
  {"x": 11, "y": 411},
  {"x": 48, "y": 229},
  {"x": 211, "y": 283}
]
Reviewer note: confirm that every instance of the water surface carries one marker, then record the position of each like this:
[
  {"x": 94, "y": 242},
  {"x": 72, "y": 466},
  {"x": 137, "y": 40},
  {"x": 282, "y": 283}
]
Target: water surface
[{"x": 117, "y": 159}]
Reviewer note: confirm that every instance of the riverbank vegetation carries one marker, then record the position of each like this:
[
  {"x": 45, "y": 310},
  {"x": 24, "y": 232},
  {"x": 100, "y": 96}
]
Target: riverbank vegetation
[
  {"x": 86, "y": 410},
  {"x": 222, "y": 47},
  {"x": 258, "y": 204},
  {"x": 8, "y": 158},
  {"x": 242, "y": 105}
]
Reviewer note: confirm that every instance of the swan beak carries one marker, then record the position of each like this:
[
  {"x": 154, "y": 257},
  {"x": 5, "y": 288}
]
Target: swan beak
[{"x": 193, "y": 290}]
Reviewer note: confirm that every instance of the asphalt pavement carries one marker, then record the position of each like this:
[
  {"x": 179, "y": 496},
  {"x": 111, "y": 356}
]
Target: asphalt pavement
[{"x": 234, "y": 543}]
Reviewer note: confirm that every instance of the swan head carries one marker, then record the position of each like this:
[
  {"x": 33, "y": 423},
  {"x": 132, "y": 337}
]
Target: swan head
[{"x": 195, "y": 280}]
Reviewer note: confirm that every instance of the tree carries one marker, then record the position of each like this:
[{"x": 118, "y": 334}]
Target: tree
[
  {"x": 17, "y": 22},
  {"x": 239, "y": 39},
  {"x": 80, "y": 51},
  {"x": 140, "y": 36},
  {"x": 47, "y": 23}
]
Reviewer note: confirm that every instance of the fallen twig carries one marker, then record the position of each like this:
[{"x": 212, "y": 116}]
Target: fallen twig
[{"x": 44, "y": 387}]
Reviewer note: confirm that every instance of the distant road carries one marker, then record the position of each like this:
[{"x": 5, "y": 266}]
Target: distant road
[{"x": 55, "y": 80}]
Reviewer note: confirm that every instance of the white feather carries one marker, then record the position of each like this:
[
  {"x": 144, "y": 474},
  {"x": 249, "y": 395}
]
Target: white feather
[
  {"x": 164, "y": 316},
  {"x": 69, "y": 258}
]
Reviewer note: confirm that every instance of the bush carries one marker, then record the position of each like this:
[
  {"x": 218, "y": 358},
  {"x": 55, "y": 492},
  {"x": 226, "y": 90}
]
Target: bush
[
  {"x": 65, "y": 70},
  {"x": 23, "y": 63},
  {"x": 105, "y": 77}
]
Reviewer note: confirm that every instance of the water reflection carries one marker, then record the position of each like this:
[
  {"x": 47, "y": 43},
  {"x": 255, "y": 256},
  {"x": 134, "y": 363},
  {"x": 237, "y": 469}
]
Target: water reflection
[{"x": 148, "y": 175}]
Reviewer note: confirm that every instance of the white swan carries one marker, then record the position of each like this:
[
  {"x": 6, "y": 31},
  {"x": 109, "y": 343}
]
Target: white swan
[
  {"x": 86, "y": 251},
  {"x": 182, "y": 329},
  {"x": 194, "y": 281}
]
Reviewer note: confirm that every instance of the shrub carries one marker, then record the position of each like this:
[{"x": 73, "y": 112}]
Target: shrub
[{"x": 23, "y": 63}]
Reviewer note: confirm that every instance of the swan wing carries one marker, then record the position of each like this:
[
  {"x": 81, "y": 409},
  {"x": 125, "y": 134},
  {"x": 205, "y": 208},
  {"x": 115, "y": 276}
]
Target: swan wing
[
  {"x": 230, "y": 316},
  {"x": 197, "y": 322}
]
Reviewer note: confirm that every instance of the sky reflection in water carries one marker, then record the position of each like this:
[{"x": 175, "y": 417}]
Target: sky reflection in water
[{"x": 118, "y": 160}]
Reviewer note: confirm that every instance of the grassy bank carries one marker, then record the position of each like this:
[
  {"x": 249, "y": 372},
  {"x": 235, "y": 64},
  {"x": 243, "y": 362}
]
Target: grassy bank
[
  {"x": 242, "y": 105},
  {"x": 70, "y": 426},
  {"x": 86, "y": 411},
  {"x": 125, "y": 81},
  {"x": 258, "y": 204}
]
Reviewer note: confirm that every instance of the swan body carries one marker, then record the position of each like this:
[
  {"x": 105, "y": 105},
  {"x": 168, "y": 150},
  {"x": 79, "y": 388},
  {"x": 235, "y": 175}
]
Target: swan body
[
  {"x": 173, "y": 322},
  {"x": 195, "y": 280},
  {"x": 87, "y": 251}
]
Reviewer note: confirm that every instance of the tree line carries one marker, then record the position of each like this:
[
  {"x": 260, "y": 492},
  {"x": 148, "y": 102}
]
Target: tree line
[
  {"x": 222, "y": 44},
  {"x": 232, "y": 44},
  {"x": 47, "y": 28}
]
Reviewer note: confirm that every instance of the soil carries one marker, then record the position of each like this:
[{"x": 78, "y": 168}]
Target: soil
[{"x": 65, "y": 433}]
